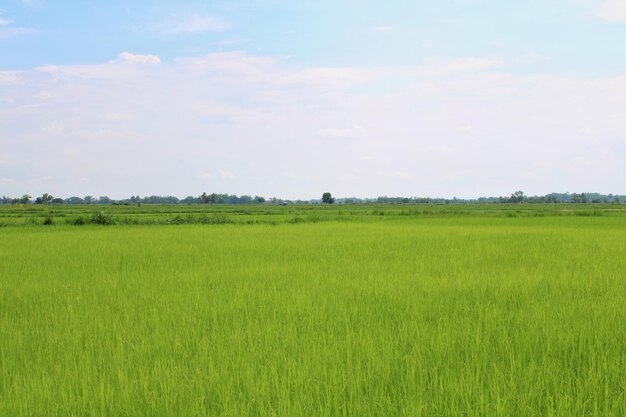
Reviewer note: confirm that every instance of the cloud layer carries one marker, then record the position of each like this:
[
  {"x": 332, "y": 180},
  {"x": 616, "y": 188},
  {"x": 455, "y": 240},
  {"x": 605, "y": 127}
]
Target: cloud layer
[
  {"x": 613, "y": 10},
  {"x": 239, "y": 123}
]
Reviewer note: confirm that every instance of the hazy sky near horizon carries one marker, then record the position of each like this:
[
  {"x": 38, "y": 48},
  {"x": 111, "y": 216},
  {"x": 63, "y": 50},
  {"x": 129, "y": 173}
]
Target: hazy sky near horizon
[{"x": 286, "y": 98}]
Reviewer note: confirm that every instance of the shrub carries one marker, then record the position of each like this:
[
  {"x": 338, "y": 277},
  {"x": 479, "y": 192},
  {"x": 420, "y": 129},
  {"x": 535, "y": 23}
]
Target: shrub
[
  {"x": 178, "y": 220},
  {"x": 215, "y": 219},
  {"x": 34, "y": 221},
  {"x": 48, "y": 221},
  {"x": 77, "y": 221},
  {"x": 101, "y": 217}
]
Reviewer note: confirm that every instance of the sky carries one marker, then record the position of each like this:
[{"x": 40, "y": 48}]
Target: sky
[{"x": 291, "y": 99}]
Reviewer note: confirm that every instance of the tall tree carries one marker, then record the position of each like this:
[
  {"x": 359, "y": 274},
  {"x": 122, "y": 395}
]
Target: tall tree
[
  {"x": 517, "y": 197},
  {"x": 327, "y": 198}
]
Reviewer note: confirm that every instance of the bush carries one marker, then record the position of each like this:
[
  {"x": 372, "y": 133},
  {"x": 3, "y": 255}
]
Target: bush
[
  {"x": 77, "y": 221},
  {"x": 177, "y": 220},
  {"x": 101, "y": 217},
  {"x": 215, "y": 219},
  {"x": 48, "y": 221},
  {"x": 587, "y": 213},
  {"x": 33, "y": 221}
]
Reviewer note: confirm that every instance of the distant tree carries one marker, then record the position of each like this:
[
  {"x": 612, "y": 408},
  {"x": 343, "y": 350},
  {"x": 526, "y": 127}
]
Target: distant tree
[
  {"x": 551, "y": 198},
  {"x": 74, "y": 200},
  {"x": 259, "y": 200},
  {"x": 135, "y": 200},
  {"x": 214, "y": 198},
  {"x": 57, "y": 201},
  {"x": 25, "y": 199},
  {"x": 517, "y": 197},
  {"x": 44, "y": 199},
  {"x": 327, "y": 198},
  {"x": 104, "y": 200},
  {"x": 89, "y": 199},
  {"x": 245, "y": 199}
]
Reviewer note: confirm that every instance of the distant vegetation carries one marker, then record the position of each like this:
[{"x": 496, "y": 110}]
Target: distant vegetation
[
  {"x": 214, "y": 198},
  {"x": 274, "y": 214}
]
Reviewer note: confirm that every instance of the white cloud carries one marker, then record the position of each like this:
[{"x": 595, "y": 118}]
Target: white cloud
[
  {"x": 339, "y": 132},
  {"x": 613, "y": 10},
  {"x": 327, "y": 77},
  {"x": 400, "y": 175},
  {"x": 9, "y": 77},
  {"x": 464, "y": 65},
  {"x": 240, "y": 67},
  {"x": 443, "y": 149},
  {"x": 465, "y": 129},
  {"x": 127, "y": 66},
  {"x": 612, "y": 84},
  {"x": 8, "y": 181},
  {"x": 8, "y": 30},
  {"x": 234, "y": 65},
  {"x": 46, "y": 179},
  {"x": 6, "y": 159},
  {"x": 138, "y": 59},
  {"x": 227, "y": 175}
]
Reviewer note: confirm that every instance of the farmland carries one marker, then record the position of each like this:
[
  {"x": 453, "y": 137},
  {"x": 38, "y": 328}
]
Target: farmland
[{"x": 356, "y": 310}]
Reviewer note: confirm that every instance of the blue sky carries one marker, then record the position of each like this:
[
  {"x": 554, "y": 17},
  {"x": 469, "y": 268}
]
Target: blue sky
[
  {"x": 285, "y": 98},
  {"x": 564, "y": 36}
]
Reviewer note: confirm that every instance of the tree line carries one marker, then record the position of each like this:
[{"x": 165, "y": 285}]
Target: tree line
[
  {"x": 514, "y": 198},
  {"x": 215, "y": 198}
]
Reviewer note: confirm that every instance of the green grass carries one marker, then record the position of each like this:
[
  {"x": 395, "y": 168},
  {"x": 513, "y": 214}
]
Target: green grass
[
  {"x": 148, "y": 214},
  {"x": 445, "y": 314}
]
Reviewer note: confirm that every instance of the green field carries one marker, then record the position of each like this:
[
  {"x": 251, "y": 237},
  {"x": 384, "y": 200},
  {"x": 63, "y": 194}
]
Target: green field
[{"x": 512, "y": 310}]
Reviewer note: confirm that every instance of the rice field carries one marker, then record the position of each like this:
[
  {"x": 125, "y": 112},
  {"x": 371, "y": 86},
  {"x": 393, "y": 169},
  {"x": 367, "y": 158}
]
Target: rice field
[{"x": 418, "y": 311}]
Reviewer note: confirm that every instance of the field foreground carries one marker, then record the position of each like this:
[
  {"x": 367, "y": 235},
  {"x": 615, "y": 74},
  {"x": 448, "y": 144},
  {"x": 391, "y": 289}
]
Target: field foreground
[{"x": 410, "y": 316}]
